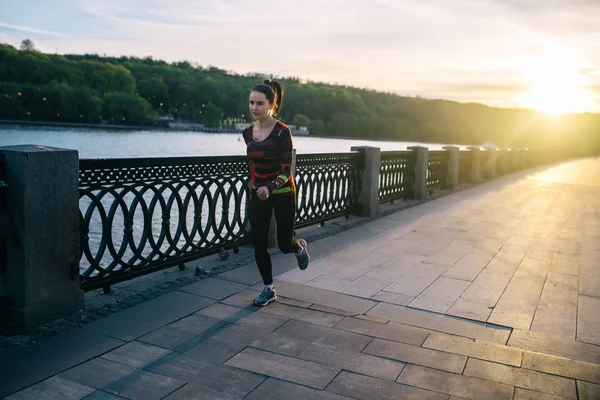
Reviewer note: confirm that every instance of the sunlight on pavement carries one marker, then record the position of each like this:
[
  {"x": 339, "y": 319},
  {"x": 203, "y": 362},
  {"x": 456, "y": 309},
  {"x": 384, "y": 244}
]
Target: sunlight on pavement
[{"x": 578, "y": 172}]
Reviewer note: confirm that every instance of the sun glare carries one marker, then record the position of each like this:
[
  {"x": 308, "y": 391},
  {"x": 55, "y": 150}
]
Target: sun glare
[{"x": 556, "y": 85}]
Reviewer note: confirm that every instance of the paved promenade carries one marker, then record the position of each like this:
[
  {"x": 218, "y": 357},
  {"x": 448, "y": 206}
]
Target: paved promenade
[{"x": 492, "y": 292}]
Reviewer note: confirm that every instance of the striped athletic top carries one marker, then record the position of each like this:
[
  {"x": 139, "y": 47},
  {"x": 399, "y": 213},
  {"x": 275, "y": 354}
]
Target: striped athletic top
[{"x": 271, "y": 159}]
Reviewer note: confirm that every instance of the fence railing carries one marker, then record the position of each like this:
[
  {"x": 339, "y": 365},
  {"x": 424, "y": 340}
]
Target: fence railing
[
  {"x": 437, "y": 170},
  {"x": 396, "y": 175},
  {"x": 142, "y": 215},
  {"x": 328, "y": 186}
]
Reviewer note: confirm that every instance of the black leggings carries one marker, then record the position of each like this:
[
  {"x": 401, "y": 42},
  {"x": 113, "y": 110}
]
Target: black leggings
[{"x": 260, "y": 218}]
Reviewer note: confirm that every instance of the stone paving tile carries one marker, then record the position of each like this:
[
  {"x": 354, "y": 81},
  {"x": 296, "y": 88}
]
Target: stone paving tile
[
  {"x": 352, "y": 361},
  {"x": 287, "y": 368},
  {"x": 440, "y": 296},
  {"x": 477, "y": 349},
  {"x": 324, "y": 297},
  {"x": 524, "y": 394},
  {"x": 302, "y": 314},
  {"x": 533, "y": 271},
  {"x": 453, "y": 384},
  {"x": 242, "y": 316},
  {"x": 441, "y": 323},
  {"x": 224, "y": 343},
  {"x": 330, "y": 310},
  {"x": 282, "y": 344},
  {"x": 53, "y": 388},
  {"x": 561, "y": 366},
  {"x": 400, "y": 333},
  {"x": 470, "y": 265},
  {"x": 213, "y": 288},
  {"x": 521, "y": 377},
  {"x": 488, "y": 286},
  {"x": 242, "y": 299},
  {"x": 566, "y": 348},
  {"x": 417, "y": 355},
  {"x": 275, "y": 389},
  {"x": 143, "y": 318},
  {"x": 198, "y": 392},
  {"x": 247, "y": 274},
  {"x": 518, "y": 303},
  {"x": 23, "y": 367},
  {"x": 136, "y": 354},
  {"x": 324, "y": 335},
  {"x": 427, "y": 247},
  {"x": 588, "y": 391},
  {"x": 394, "y": 298},
  {"x": 365, "y": 286},
  {"x": 100, "y": 395},
  {"x": 367, "y": 388},
  {"x": 565, "y": 264},
  {"x": 400, "y": 264},
  {"x": 450, "y": 254},
  {"x": 221, "y": 378},
  {"x": 122, "y": 380},
  {"x": 588, "y": 319},
  {"x": 556, "y": 313},
  {"x": 171, "y": 338},
  {"x": 417, "y": 279},
  {"x": 470, "y": 309},
  {"x": 328, "y": 282}
]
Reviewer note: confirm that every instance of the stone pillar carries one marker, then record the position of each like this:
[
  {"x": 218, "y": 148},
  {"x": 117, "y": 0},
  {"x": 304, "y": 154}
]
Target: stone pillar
[
  {"x": 41, "y": 231},
  {"x": 421, "y": 161},
  {"x": 525, "y": 158},
  {"x": 369, "y": 195},
  {"x": 516, "y": 154},
  {"x": 452, "y": 178},
  {"x": 491, "y": 163},
  {"x": 506, "y": 161},
  {"x": 273, "y": 227},
  {"x": 475, "y": 160}
]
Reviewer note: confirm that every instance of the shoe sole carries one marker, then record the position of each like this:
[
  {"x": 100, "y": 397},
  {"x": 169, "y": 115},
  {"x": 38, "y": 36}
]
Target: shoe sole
[
  {"x": 266, "y": 302},
  {"x": 305, "y": 245}
]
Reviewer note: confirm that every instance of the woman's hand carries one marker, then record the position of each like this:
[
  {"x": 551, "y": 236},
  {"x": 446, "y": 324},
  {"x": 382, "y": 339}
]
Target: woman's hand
[{"x": 262, "y": 193}]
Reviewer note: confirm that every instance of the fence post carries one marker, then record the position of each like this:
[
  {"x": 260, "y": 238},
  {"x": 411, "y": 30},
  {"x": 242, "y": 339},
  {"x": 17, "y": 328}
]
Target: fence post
[
  {"x": 41, "y": 230},
  {"x": 475, "y": 160},
  {"x": 452, "y": 178},
  {"x": 369, "y": 195},
  {"x": 273, "y": 225},
  {"x": 421, "y": 161}
]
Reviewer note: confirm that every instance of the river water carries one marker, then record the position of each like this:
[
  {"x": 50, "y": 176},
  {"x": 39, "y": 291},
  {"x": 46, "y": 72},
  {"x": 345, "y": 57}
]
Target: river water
[{"x": 97, "y": 143}]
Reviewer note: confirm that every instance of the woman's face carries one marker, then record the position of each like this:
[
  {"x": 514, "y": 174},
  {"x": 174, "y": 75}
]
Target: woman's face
[{"x": 260, "y": 107}]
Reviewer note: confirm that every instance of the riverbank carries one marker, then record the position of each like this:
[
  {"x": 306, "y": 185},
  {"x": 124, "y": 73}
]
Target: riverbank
[{"x": 112, "y": 126}]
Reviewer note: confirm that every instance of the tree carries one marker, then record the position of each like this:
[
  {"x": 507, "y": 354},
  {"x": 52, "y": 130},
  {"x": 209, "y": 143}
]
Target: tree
[
  {"x": 301, "y": 120},
  {"x": 27, "y": 45},
  {"x": 212, "y": 115}
]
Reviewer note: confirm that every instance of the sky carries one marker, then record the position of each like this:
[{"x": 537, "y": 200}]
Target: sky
[{"x": 542, "y": 54}]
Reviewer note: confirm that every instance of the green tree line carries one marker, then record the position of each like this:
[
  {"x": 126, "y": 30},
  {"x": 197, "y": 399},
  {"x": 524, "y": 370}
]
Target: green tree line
[{"x": 127, "y": 90}]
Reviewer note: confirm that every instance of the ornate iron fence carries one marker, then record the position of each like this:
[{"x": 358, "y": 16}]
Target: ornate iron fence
[
  {"x": 437, "y": 170},
  {"x": 396, "y": 175},
  {"x": 142, "y": 215},
  {"x": 328, "y": 186}
]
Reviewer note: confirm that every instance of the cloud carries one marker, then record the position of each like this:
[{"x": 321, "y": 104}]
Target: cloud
[{"x": 32, "y": 30}]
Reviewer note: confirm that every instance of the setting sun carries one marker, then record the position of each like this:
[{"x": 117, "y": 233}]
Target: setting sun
[{"x": 557, "y": 85}]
